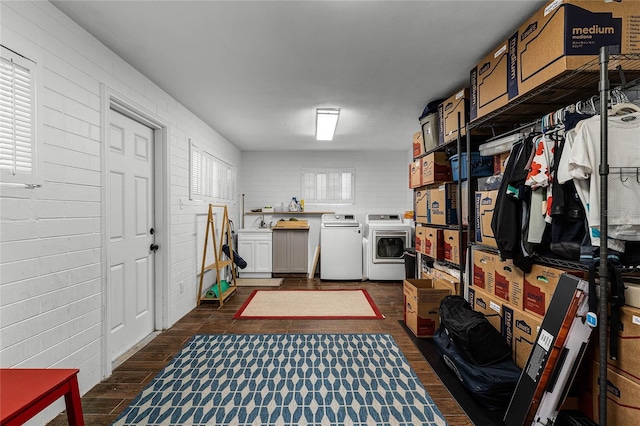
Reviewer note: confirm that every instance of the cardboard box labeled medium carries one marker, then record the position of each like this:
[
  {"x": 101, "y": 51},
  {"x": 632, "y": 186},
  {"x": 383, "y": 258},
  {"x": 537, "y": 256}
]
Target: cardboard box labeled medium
[
  {"x": 485, "y": 205},
  {"x": 489, "y": 82},
  {"x": 420, "y": 238},
  {"x": 435, "y": 168},
  {"x": 487, "y": 304},
  {"x": 418, "y": 145},
  {"x": 564, "y": 35},
  {"x": 421, "y": 306},
  {"x": 415, "y": 174},
  {"x": 442, "y": 204},
  {"x": 520, "y": 329},
  {"x": 448, "y": 116}
]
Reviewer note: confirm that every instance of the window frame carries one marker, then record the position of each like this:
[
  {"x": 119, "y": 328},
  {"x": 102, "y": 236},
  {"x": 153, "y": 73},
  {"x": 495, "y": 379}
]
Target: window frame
[
  {"x": 32, "y": 178},
  {"x": 216, "y": 178},
  {"x": 312, "y": 199}
]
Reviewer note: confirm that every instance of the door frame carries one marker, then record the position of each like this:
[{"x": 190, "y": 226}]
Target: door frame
[{"x": 110, "y": 99}]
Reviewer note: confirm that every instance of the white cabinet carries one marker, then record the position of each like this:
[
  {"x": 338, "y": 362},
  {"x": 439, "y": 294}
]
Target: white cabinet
[{"x": 255, "y": 247}]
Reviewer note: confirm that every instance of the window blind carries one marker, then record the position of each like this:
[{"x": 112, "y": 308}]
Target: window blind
[
  {"x": 17, "y": 114},
  {"x": 328, "y": 186}
]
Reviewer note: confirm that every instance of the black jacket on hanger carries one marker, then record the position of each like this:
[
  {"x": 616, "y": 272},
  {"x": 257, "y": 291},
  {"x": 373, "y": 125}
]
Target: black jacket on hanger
[{"x": 510, "y": 217}]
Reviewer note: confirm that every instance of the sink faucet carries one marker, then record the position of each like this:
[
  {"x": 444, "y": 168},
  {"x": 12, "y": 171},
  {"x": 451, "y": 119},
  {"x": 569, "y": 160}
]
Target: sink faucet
[{"x": 262, "y": 222}]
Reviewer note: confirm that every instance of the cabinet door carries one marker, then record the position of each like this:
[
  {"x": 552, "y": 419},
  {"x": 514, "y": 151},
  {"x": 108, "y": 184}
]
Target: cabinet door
[
  {"x": 246, "y": 251},
  {"x": 280, "y": 251},
  {"x": 298, "y": 251},
  {"x": 262, "y": 256}
]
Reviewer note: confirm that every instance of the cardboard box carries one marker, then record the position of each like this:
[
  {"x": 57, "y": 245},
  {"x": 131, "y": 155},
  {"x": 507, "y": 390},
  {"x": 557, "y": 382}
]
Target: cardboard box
[
  {"x": 418, "y": 145},
  {"x": 520, "y": 329},
  {"x": 483, "y": 270},
  {"x": 442, "y": 280},
  {"x": 508, "y": 282},
  {"x": 564, "y": 35},
  {"x": 442, "y": 204},
  {"x": 430, "y": 132},
  {"x": 489, "y": 305},
  {"x": 539, "y": 285},
  {"x": 421, "y": 306},
  {"x": 623, "y": 398},
  {"x": 435, "y": 168},
  {"x": 420, "y": 238},
  {"x": 434, "y": 243},
  {"x": 500, "y": 162},
  {"x": 421, "y": 197},
  {"x": 448, "y": 116},
  {"x": 451, "y": 240},
  {"x": 485, "y": 205},
  {"x": 632, "y": 292},
  {"x": 489, "y": 82},
  {"x": 628, "y": 360},
  {"x": 415, "y": 174}
]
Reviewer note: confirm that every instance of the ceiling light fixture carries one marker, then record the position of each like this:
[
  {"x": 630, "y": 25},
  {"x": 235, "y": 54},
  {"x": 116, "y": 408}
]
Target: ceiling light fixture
[{"x": 326, "y": 122}]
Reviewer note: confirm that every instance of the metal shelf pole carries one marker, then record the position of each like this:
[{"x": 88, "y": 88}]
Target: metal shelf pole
[
  {"x": 461, "y": 249},
  {"x": 603, "y": 271}
]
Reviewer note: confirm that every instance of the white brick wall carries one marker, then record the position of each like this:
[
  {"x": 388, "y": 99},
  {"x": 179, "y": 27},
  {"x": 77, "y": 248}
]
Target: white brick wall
[{"x": 51, "y": 276}]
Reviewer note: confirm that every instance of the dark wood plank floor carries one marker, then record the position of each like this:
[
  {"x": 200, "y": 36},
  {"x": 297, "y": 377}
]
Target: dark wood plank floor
[{"x": 103, "y": 403}]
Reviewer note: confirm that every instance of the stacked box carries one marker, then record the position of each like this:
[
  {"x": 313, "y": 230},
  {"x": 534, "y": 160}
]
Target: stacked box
[
  {"x": 485, "y": 205},
  {"x": 564, "y": 35},
  {"x": 434, "y": 244},
  {"x": 483, "y": 270},
  {"x": 418, "y": 145},
  {"x": 435, "y": 168},
  {"x": 451, "y": 244},
  {"x": 415, "y": 174},
  {"x": 539, "y": 286},
  {"x": 430, "y": 133},
  {"x": 520, "y": 329},
  {"x": 442, "y": 204},
  {"x": 488, "y": 305},
  {"x": 508, "y": 282},
  {"x": 421, "y": 208},
  {"x": 489, "y": 82},
  {"x": 448, "y": 111},
  {"x": 420, "y": 238}
]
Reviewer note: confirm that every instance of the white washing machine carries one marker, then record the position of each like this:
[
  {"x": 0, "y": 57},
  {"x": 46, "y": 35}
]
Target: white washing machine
[
  {"x": 340, "y": 247},
  {"x": 386, "y": 237}
]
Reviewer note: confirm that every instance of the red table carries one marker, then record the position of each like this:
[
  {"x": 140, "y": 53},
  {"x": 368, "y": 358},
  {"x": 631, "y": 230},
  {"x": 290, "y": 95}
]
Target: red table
[{"x": 24, "y": 392}]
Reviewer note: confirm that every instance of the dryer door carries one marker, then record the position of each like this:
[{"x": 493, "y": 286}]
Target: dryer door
[{"x": 388, "y": 245}]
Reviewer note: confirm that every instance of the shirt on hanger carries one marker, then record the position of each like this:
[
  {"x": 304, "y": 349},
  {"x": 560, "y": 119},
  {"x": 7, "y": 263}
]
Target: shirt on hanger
[{"x": 623, "y": 190}]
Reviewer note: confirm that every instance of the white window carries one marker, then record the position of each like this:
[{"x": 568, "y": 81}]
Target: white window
[
  {"x": 328, "y": 186},
  {"x": 17, "y": 118},
  {"x": 211, "y": 177}
]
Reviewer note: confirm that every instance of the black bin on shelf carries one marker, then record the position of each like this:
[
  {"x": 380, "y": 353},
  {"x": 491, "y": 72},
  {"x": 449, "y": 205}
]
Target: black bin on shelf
[{"x": 409, "y": 257}]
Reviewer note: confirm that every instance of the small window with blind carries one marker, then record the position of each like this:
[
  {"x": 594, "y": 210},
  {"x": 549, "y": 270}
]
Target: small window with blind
[
  {"x": 17, "y": 118},
  {"x": 328, "y": 186},
  {"x": 211, "y": 178}
]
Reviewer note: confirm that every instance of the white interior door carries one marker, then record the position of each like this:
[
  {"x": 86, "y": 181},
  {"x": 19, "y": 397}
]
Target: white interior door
[{"x": 131, "y": 220}]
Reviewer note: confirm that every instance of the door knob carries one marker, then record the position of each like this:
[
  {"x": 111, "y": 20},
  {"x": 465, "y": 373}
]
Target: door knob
[{"x": 154, "y": 247}]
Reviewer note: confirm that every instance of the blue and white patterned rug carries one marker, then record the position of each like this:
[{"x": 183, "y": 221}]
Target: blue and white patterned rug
[{"x": 285, "y": 379}]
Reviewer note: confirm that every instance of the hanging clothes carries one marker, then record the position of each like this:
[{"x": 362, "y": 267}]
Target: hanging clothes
[
  {"x": 624, "y": 190},
  {"x": 510, "y": 218}
]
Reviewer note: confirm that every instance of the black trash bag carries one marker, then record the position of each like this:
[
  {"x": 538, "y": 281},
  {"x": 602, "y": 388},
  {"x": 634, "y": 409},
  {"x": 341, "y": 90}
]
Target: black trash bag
[{"x": 236, "y": 257}]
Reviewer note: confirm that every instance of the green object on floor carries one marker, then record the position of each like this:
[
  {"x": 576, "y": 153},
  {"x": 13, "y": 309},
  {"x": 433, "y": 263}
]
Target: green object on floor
[{"x": 213, "y": 291}]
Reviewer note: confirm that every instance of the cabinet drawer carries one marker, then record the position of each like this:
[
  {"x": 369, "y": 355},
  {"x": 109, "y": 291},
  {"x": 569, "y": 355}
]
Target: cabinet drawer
[{"x": 254, "y": 236}]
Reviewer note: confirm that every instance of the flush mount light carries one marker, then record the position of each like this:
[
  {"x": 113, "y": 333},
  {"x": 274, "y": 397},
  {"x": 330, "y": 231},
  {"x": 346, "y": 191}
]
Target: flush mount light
[{"x": 326, "y": 122}]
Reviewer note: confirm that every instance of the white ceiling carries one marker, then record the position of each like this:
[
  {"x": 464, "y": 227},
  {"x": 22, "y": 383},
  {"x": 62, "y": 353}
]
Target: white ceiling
[{"x": 256, "y": 70}]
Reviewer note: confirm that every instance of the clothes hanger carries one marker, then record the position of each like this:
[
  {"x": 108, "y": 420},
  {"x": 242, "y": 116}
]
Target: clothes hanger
[{"x": 623, "y": 109}]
